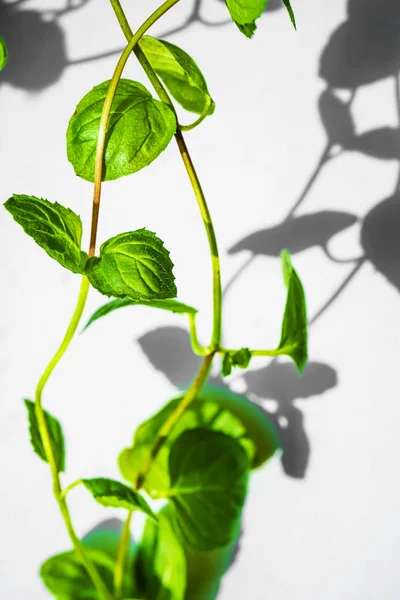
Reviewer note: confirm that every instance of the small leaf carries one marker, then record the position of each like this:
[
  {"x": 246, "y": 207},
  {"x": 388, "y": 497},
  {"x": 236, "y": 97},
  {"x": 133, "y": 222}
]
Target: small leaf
[
  {"x": 290, "y": 11},
  {"x": 57, "y": 229},
  {"x": 161, "y": 562},
  {"x": 245, "y": 12},
  {"x": 66, "y": 577},
  {"x": 133, "y": 264},
  {"x": 55, "y": 433},
  {"x": 171, "y": 305},
  {"x": 240, "y": 358},
  {"x": 115, "y": 494},
  {"x": 180, "y": 74},
  {"x": 209, "y": 474},
  {"x": 138, "y": 130},
  {"x": 3, "y": 53},
  {"x": 294, "y": 325}
]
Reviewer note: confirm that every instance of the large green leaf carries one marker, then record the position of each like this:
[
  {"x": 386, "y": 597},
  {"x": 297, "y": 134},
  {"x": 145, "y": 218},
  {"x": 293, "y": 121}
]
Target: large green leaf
[
  {"x": 161, "y": 564},
  {"x": 170, "y": 305},
  {"x": 293, "y": 340},
  {"x": 66, "y": 577},
  {"x": 209, "y": 473},
  {"x": 245, "y": 12},
  {"x": 214, "y": 408},
  {"x": 55, "y": 228},
  {"x": 3, "y": 53},
  {"x": 134, "y": 264},
  {"x": 114, "y": 494},
  {"x": 55, "y": 433},
  {"x": 180, "y": 74},
  {"x": 139, "y": 129}
]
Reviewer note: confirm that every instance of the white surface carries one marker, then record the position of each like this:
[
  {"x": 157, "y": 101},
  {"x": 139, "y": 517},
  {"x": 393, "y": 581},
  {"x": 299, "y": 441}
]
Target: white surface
[{"x": 335, "y": 532}]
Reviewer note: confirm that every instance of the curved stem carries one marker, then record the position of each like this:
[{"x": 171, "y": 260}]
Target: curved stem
[
  {"x": 201, "y": 118},
  {"x": 47, "y": 445},
  {"x": 194, "y": 341},
  {"x": 121, "y": 557},
  {"x": 212, "y": 240},
  {"x": 101, "y": 139}
]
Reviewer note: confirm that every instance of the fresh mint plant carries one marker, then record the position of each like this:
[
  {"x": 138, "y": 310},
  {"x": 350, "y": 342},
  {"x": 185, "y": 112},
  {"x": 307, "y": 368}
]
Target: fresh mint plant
[{"x": 197, "y": 452}]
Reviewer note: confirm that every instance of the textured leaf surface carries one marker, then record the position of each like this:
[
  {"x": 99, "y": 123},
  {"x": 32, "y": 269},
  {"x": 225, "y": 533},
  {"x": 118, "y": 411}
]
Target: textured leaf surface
[
  {"x": 117, "y": 495},
  {"x": 138, "y": 130},
  {"x": 3, "y": 53},
  {"x": 294, "y": 325},
  {"x": 66, "y": 578},
  {"x": 209, "y": 475},
  {"x": 134, "y": 264},
  {"x": 180, "y": 74},
  {"x": 161, "y": 561},
  {"x": 170, "y": 305},
  {"x": 57, "y": 229},
  {"x": 56, "y": 436}
]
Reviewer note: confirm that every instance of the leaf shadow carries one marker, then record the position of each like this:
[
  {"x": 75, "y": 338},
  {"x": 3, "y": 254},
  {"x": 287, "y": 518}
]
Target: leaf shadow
[
  {"x": 168, "y": 350},
  {"x": 365, "y": 48}
]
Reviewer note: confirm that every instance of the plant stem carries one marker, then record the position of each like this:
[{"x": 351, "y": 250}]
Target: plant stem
[
  {"x": 122, "y": 556},
  {"x": 170, "y": 423},
  {"x": 212, "y": 241},
  {"x": 101, "y": 139},
  {"x": 196, "y": 346},
  {"x": 194, "y": 180},
  {"x": 46, "y": 440}
]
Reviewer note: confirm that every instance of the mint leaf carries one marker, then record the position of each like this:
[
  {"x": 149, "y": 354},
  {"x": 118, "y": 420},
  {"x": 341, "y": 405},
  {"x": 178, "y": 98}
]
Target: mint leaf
[
  {"x": 294, "y": 325},
  {"x": 161, "y": 559},
  {"x": 180, "y": 74},
  {"x": 290, "y": 11},
  {"x": 55, "y": 432},
  {"x": 240, "y": 358},
  {"x": 209, "y": 474},
  {"x": 133, "y": 264},
  {"x": 138, "y": 130},
  {"x": 3, "y": 53},
  {"x": 245, "y": 12},
  {"x": 171, "y": 305},
  {"x": 117, "y": 495},
  {"x": 66, "y": 577},
  {"x": 57, "y": 229}
]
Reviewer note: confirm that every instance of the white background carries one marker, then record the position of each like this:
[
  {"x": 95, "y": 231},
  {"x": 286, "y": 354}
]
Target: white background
[{"x": 326, "y": 525}]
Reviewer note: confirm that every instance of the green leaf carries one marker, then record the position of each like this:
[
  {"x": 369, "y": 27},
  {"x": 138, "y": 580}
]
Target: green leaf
[
  {"x": 66, "y": 577},
  {"x": 3, "y": 53},
  {"x": 294, "y": 325},
  {"x": 114, "y": 494},
  {"x": 57, "y": 229},
  {"x": 55, "y": 433},
  {"x": 161, "y": 562},
  {"x": 209, "y": 473},
  {"x": 214, "y": 408},
  {"x": 245, "y": 12},
  {"x": 133, "y": 264},
  {"x": 290, "y": 11},
  {"x": 240, "y": 358},
  {"x": 171, "y": 305},
  {"x": 180, "y": 74},
  {"x": 138, "y": 130}
]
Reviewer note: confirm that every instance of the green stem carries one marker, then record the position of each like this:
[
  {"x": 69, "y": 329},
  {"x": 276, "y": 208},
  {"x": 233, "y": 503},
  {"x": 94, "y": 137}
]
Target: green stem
[
  {"x": 196, "y": 346},
  {"x": 212, "y": 240},
  {"x": 201, "y": 118},
  {"x": 201, "y": 200},
  {"x": 122, "y": 556},
  {"x": 47, "y": 445},
  {"x": 276, "y": 352},
  {"x": 70, "y": 487},
  {"x": 172, "y": 420}
]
